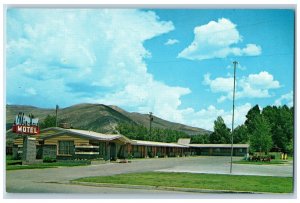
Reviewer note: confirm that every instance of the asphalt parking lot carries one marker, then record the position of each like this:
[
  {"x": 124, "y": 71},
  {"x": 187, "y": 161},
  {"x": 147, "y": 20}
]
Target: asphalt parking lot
[{"x": 56, "y": 180}]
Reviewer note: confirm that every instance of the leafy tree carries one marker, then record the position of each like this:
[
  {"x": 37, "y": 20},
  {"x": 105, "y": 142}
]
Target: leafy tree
[
  {"x": 261, "y": 139},
  {"x": 200, "y": 139},
  {"x": 252, "y": 113},
  {"x": 240, "y": 135},
  {"x": 290, "y": 147},
  {"x": 139, "y": 132},
  {"x": 221, "y": 134},
  {"x": 281, "y": 123},
  {"x": 50, "y": 121}
]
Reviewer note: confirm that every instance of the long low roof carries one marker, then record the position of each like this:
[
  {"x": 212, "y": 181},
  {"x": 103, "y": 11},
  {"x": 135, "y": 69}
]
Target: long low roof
[
  {"x": 156, "y": 144},
  {"x": 219, "y": 145},
  {"x": 92, "y": 135},
  {"x": 96, "y": 135},
  {"x": 55, "y": 131}
]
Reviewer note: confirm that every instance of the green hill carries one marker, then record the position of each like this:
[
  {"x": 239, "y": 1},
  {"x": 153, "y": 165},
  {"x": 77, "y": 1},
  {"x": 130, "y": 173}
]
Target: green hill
[
  {"x": 143, "y": 119},
  {"x": 97, "y": 117}
]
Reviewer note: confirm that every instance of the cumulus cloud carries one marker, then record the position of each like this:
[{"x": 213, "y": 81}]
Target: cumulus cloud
[
  {"x": 171, "y": 42},
  {"x": 74, "y": 56},
  {"x": 219, "y": 84},
  {"x": 205, "y": 117},
  {"x": 49, "y": 49},
  {"x": 70, "y": 56},
  {"x": 251, "y": 50},
  {"x": 285, "y": 99},
  {"x": 252, "y": 86},
  {"x": 216, "y": 40}
]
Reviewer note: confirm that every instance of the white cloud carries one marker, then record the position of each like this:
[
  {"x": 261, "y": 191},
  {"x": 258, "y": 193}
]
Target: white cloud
[
  {"x": 219, "y": 84},
  {"x": 252, "y": 86},
  {"x": 152, "y": 96},
  {"x": 205, "y": 117},
  {"x": 216, "y": 40},
  {"x": 171, "y": 42},
  {"x": 262, "y": 80},
  {"x": 89, "y": 58},
  {"x": 51, "y": 49},
  {"x": 31, "y": 91},
  {"x": 74, "y": 56},
  {"x": 251, "y": 50},
  {"x": 285, "y": 99}
]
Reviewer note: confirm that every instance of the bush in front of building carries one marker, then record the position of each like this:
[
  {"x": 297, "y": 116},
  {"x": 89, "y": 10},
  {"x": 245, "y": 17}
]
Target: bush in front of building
[
  {"x": 76, "y": 162},
  {"x": 49, "y": 160},
  {"x": 260, "y": 158},
  {"x": 130, "y": 156}
]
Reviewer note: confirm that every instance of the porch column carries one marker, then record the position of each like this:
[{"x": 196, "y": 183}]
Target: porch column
[
  {"x": 107, "y": 151},
  {"x": 146, "y": 152}
]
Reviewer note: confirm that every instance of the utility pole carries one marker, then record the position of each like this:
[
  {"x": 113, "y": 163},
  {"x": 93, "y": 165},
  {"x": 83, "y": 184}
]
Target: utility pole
[
  {"x": 56, "y": 110},
  {"x": 234, "y": 63},
  {"x": 150, "y": 119}
]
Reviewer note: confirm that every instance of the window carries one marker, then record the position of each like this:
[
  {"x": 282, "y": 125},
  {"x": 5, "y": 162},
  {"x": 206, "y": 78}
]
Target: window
[{"x": 65, "y": 147}]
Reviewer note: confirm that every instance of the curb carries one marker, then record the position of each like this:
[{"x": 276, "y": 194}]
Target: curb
[{"x": 148, "y": 187}]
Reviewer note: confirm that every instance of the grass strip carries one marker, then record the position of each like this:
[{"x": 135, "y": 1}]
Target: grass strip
[
  {"x": 261, "y": 162},
  {"x": 267, "y": 184},
  {"x": 45, "y": 165}
]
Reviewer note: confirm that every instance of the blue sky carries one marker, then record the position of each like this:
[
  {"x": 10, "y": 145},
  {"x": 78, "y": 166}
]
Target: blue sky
[{"x": 175, "y": 63}]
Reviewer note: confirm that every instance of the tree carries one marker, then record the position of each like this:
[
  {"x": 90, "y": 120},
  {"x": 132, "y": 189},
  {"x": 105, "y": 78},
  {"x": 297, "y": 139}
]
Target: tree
[
  {"x": 252, "y": 113},
  {"x": 50, "y": 121},
  {"x": 221, "y": 134},
  {"x": 261, "y": 138},
  {"x": 290, "y": 147},
  {"x": 281, "y": 123},
  {"x": 139, "y": 132},
  {"x": 200, "y": 139},
  {"x": 240, "y": 135}
]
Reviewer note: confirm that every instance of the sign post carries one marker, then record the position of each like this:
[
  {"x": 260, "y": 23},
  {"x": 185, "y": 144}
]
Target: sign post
[{"x": 25, "y": 126}]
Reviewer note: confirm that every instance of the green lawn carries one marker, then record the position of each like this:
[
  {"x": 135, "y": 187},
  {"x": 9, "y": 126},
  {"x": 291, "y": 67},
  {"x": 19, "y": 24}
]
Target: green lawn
[
  {"x": 17, "y": 164},
  {"x": 261, "y": 162},
  {"x": 45, "y": 165},
  {"x": 277, "y": 160},
  {"x": 200, "y": 181}
]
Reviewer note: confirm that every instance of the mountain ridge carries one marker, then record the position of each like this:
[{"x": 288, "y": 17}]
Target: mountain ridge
[{"x": 98, "y": 117}]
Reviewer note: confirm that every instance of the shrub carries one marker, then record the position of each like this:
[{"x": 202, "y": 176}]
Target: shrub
[
  {"x": 130, "y": 156},
  {"x": 49, "y": 160}
]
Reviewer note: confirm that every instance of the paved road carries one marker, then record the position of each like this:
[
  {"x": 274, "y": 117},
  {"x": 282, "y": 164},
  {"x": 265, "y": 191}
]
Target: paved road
[
  {"x": 219, "y": 165},
  {"x": 56, "y": 180}
]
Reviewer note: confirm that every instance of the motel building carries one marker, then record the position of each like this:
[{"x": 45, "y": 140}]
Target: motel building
[{"x": 68, "y": 144}]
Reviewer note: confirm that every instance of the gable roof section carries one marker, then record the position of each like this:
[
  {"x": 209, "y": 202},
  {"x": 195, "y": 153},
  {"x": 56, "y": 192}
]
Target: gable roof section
[
  {"x": 88, "y": 135},
  {"x": 184, "y": 141}
]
